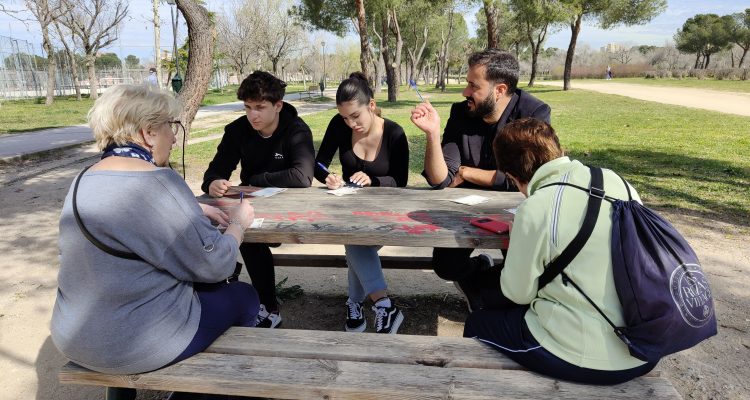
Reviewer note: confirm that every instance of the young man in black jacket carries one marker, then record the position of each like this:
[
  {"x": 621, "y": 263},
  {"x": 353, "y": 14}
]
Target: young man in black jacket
[
  {"x": 274, "y": 147},
  {"x": 464, "y": 158}
]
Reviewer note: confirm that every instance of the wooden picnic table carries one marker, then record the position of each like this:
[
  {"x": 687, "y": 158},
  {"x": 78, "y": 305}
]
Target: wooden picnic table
[{"x": 417, "y": 217}]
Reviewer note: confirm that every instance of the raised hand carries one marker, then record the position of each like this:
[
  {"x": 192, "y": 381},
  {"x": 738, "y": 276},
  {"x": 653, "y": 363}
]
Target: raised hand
[{"x": 426, "y": 118}]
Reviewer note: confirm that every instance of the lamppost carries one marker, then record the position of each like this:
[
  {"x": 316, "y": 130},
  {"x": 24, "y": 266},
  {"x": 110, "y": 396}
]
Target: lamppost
[
  {"x": 176, "y": 79},
  {"x": 323, "y": 79}
]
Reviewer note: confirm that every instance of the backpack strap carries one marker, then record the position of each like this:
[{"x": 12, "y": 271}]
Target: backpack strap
[
  {"x": 103, "y": 247},
  {"x": 556, "y": 267},
  {"x": 596, "y": 195}
]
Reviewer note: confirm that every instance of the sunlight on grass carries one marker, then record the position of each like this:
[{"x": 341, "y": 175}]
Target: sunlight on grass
[
  {"x": 31, "y": 114},
  {"x": 679, "y": 158}
]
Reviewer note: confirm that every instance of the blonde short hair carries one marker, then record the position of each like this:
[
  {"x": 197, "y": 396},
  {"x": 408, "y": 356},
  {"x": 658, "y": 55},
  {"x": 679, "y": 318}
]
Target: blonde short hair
[{"x": 122, "y": 111}]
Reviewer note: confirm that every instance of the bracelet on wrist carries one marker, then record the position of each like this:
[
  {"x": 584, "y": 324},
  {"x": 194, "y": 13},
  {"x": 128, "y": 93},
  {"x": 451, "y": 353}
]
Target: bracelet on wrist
[{"x": 237, "y": 222}]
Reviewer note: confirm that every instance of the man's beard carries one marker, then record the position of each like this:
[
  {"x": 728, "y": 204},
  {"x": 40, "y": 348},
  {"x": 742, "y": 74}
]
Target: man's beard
[{"x": 485, "y": 108}]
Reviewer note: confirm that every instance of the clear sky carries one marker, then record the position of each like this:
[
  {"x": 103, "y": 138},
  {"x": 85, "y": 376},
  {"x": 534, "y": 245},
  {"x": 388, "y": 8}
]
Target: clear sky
[{"x": 137, "y": 37}]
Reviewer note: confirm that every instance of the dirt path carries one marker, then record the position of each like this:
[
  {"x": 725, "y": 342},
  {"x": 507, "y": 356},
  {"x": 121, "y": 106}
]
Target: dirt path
[{"x": 714, "y": 100}]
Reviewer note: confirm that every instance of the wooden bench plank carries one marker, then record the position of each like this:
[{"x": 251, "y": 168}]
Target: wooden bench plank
[
  {"x": 438, "y": 351},
  {"x": 339, "y": 261},
  {"x": 301, "y": 378}
]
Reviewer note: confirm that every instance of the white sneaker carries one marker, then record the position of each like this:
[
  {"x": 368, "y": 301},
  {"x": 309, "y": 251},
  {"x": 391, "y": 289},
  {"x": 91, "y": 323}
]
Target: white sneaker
[{"x": 266, "y": 319}]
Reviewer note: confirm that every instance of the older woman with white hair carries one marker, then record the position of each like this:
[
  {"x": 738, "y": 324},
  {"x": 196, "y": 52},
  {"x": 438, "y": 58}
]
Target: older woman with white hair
[{"x": 134, "y": 240}]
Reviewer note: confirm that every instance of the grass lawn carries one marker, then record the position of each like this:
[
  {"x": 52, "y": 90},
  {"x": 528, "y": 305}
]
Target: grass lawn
[
  {"x": 676, "y": 157},
  {"x": 713, "y": 84},
  {"x": 31, "y": 114}
]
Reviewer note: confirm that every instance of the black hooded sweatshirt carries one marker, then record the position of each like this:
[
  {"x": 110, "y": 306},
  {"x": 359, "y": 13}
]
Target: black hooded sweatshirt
[{"x": 285, "y": 159}]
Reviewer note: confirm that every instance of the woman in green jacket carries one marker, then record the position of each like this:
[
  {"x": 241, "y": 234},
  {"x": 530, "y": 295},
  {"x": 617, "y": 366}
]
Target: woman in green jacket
[{"x": 555, "y": 331}]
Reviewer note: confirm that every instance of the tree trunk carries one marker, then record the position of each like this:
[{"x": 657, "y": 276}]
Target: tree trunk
[
  {"x": 416, "y": 58},
  {"x": 575, "y": 29},
  {"x": 442, "y": 63},
  {"x": 707, "y": 60},
  {"x": 365, "y": 53},
  {"x": 742, "y": 59},
  {"x": 490, "y": 12},
  {"x": 534, "y": 57},
  {"x": 51, "y": 66},
  {"x": 392, "y": 61},
  {"x": 377, "y": 64},
  {"x": 536, "y": 46},
  {"x": 201, "y": 36},
  {"x": 72, "y": 61},
  {"x": 93, "y": 82},
  {"x": 74, "y": 74},
  {"x": 157, "y": 41},
  {"x": 697, "y": 59}
]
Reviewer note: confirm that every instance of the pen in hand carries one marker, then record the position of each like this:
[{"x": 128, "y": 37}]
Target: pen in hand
[{"x": 323, "y": 167}]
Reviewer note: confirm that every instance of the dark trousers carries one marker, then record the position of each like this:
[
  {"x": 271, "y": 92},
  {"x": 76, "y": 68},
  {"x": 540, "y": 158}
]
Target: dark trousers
[
  {"x": 456, "y": 264},
  {"x": 506, "y": 331},
  {"x": 259, "y": 263},
  {"x": 223, "y": 305}
]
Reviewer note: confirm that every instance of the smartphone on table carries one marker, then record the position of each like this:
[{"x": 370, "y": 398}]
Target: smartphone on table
[{"x": 491, "y": 224}]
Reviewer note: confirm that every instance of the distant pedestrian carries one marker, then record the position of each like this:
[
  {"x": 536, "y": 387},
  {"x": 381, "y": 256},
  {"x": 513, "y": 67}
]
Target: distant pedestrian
[
  {"x": 609, "y": 72},
  {"x": 152, "y": 80}
]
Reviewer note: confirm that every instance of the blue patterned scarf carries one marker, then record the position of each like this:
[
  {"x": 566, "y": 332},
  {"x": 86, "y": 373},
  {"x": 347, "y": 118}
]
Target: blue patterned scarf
[{"x": 128, "y": 150}]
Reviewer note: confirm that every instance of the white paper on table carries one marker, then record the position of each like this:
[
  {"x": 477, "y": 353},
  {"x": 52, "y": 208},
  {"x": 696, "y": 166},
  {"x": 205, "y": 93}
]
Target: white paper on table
[
  {"x": 471, "y": 200},
  {"x": 343, "y": 191},
  {"x": 257, "y": 223},
  {"x": 267, "y": 192},
  {"x": 512, "y": 210}
]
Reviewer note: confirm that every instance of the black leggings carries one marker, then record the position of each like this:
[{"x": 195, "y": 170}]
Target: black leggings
[{"x": 259, "y": 263}]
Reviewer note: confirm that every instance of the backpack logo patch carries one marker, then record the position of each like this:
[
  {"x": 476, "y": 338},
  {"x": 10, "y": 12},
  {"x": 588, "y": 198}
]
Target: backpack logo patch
[
  {"x": 278, "y": 156},
  {"x": 691, "y": 295}
]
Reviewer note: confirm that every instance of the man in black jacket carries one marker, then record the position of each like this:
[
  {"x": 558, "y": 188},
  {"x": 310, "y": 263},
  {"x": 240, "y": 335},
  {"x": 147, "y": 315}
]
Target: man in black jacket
[
  {"x": 274, "y": 148},
  {"x": 464, "y": 158}
]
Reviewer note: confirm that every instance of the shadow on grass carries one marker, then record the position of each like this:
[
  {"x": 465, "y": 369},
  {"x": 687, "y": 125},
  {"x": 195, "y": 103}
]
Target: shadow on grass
[{"x": 670, "y": 180}]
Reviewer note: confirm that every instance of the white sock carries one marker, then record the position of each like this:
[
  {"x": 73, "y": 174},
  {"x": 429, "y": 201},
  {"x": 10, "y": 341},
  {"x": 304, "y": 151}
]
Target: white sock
[{"x": 385, "y": 302}]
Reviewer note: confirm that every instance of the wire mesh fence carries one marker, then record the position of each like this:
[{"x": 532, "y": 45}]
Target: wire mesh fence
[{"x": 23, "y": 72}]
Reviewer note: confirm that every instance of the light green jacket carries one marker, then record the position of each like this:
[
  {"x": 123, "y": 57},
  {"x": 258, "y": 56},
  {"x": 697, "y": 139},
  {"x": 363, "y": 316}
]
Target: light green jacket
[{"x": 559, "y": 317}]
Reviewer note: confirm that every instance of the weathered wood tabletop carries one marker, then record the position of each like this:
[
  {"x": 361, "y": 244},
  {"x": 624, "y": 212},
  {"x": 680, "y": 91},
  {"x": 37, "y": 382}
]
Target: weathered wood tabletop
[{"x": 377, "y": 216}]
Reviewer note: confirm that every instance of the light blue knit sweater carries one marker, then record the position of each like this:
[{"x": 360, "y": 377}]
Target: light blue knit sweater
[{"x": 115, "y": 315}]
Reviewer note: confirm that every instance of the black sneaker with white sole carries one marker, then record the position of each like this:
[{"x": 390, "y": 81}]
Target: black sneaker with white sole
[
  {"x": 387, "y": 319},
  {"x": 268, "y": 319},
  {"x": 355, "y": 317}
]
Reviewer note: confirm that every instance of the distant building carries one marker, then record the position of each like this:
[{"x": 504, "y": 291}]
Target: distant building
[
  {"x": 612, "y": 48},
  {"x": 166, "y": 55}
]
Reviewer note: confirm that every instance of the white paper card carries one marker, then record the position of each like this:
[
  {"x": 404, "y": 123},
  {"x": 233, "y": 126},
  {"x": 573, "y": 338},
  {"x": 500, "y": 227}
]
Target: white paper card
[
  {"x": 471, "y": 200},
  {"x": 257, "y": 223},
  {"x": 343, "y": 191},
  {"x": 267, "y": 192}
]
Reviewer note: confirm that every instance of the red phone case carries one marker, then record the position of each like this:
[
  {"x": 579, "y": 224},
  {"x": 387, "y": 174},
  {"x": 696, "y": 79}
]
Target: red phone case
[{"x": 491, "y": 225}]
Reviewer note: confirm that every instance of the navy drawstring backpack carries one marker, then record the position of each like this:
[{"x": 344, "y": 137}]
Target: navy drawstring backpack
[{"x": 666, "y": 301}]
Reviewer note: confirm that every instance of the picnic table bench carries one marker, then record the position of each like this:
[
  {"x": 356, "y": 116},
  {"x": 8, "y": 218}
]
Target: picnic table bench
[
  {"x": 305, "y": 364},
  {"x": 312, "y": 89}
]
